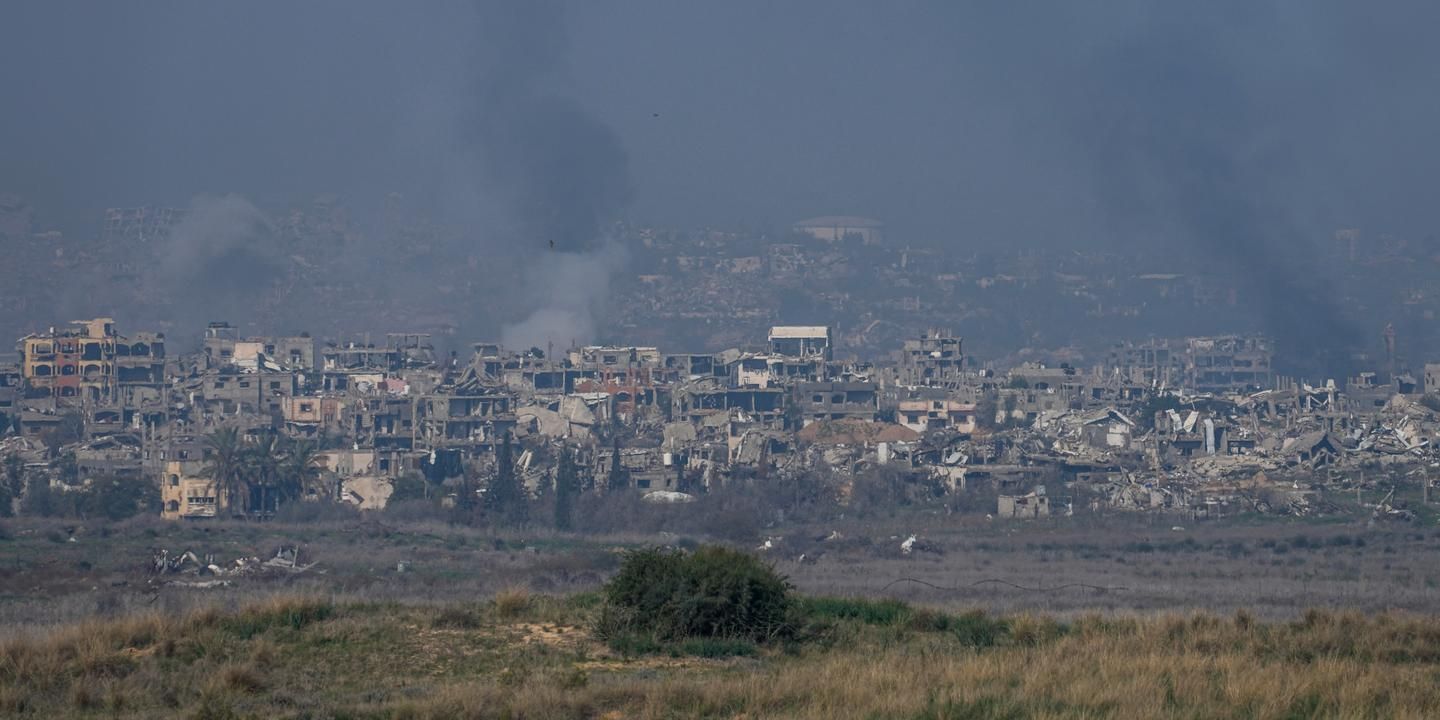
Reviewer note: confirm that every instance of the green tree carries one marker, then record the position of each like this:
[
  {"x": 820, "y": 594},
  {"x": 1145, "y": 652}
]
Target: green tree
[
  {"x": 226, "y": 467},
  {"x": 302, "y": 471},
  {"x": 41, "y": 501},
  {"x": 681, "y": 483},
  {"x": 262, "y": 467},
  {"x": 506, "y": 495},
  {"x": 14, "y": 474},
  {"x": 410, "y": 486},
  {"x": 119, "y": 498},
  {"x": 67, "y": 468},
  {"x": 567, "y": 486},
  {"x": 618, "y": 479}
]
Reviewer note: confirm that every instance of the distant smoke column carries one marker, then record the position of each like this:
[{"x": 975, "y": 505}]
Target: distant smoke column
[
  {"x": 212, "y": 265},
  {"x": 570, "y": 291},
  {"x": 1183, "y": 150},
  {"x": 559, "y": 173}
]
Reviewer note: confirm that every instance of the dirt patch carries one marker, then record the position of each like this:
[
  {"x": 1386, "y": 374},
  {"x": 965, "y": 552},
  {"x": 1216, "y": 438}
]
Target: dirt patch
[{"x": 565, "y": 637}]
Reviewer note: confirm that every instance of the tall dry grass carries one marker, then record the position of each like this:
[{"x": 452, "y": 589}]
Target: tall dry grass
[
  {"x": 1202, "y": 666},
  {"x": 125, "y": 664},
  {"x": 917, "y": 664},
  {"x": 512, "y": 601}
]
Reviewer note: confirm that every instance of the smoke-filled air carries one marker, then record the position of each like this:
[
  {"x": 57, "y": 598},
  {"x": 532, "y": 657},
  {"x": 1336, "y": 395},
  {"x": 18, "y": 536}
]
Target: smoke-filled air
[{"x": 743, "y": 359}]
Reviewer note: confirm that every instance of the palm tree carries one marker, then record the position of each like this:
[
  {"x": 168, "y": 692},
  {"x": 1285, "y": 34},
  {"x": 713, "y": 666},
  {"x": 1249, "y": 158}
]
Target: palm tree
[
  {"x": 226, "y": 467},
  {"x": 264, "y": 470},
  {"x": 301, "y": 470}
]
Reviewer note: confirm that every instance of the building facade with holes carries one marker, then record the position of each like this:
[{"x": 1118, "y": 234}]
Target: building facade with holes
[{"x": 90, "y": 361}]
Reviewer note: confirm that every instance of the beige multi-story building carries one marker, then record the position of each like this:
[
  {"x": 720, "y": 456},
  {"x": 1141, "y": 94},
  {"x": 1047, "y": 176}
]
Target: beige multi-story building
[
  {"x": 186, "y": 493},
  {"x": 923, "y": 415}
]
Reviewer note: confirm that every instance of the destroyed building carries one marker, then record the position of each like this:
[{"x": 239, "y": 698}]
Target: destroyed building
[
  {"x": 801, "y": 341},
  {"x": 934, "y": 359},
  {"x": 91, "y": 361},
  {"x": 1198, "y": 425},
  {"x": 836, "y": 401},
  {"x": 1228, "y": 364}
]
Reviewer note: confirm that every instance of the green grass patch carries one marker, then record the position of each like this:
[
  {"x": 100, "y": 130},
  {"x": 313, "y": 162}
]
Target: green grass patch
[
  {"x": 868, "y": 612},
  {"x": 634, "y": 645},
  {"x": 717, "y": 647},
  {"x": 289, "y": 615}
]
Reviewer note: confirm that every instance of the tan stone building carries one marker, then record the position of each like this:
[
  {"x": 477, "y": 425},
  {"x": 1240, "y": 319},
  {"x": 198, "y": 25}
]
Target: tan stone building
[{"x": 186, "y": 493}]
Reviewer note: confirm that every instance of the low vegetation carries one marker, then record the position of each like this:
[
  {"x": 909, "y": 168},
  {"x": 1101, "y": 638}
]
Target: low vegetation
[
  {"x": 714, "y": 593},
  {"x": 521, "y": 655}
]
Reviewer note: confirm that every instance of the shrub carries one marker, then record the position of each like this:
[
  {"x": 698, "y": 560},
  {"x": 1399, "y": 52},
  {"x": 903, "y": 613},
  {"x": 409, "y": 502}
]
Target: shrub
[
  {"x": 119, "y": 498},
  {"x": 714, "y": 592},
  {"x": 510, "y": 602},
  {"x": 978, "y": 630}
]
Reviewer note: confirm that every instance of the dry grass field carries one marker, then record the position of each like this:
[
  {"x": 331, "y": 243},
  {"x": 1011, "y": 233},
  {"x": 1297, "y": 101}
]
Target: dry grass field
[
  {"x": 522, "y": 656},
  {"x": 1120, "y": 618}
]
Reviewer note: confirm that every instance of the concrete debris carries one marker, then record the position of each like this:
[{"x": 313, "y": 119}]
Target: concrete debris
[
  {"x": 285, "y": 561},
  {"x": 200, "y": 584},
  {"x": 915, "y": 544},
  {"x": 667, "y": 497}
]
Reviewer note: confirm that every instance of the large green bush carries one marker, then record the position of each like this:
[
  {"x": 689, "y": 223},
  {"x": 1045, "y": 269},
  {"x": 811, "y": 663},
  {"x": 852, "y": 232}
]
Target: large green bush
[{"x": 713, "y": 592}]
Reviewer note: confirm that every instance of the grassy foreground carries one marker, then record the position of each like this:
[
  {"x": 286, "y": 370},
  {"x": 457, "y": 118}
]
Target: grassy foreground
[{"x": 522, "y": 656}]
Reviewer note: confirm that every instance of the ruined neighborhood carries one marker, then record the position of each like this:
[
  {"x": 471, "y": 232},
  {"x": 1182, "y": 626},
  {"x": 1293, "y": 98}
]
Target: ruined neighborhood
[
  {"x": 808, "y": 360},
  {"x": 1196, "y": 428}
]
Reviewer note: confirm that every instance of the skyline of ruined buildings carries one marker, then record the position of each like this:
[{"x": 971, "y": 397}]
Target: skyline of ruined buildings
[{"x": 1159, "y": 424}]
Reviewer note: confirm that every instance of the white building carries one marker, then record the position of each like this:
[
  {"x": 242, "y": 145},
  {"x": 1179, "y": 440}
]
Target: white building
[
  {"x": 802, "y": 341},
  {"x": 834, "y": 228}
]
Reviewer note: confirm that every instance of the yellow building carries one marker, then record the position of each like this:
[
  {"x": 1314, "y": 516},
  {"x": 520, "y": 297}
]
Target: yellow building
[
  {"x": 71, "y": 363},
  {"x": 184, "y": 493},
  {"x": 90, "y": 360}
]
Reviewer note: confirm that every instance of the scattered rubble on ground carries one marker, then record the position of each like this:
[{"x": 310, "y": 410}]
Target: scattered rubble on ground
[{"x": 285, "y": 561}]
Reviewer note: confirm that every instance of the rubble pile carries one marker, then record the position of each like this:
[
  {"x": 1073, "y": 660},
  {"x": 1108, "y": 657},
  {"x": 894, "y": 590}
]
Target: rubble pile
[{"x": 285, "y": 561}]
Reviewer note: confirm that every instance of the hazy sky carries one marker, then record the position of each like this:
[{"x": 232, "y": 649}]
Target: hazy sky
[{"x": 979, "y": 124}]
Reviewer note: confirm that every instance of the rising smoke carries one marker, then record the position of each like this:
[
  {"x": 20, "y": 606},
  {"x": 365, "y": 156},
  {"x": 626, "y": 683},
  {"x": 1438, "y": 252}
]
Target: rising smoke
[
  {"x": 558, "y": 172},
  {"x": 1190, "y": 150},
  {"x": 218, "y": 252},
  {"x": 1230, "y": 134}
]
